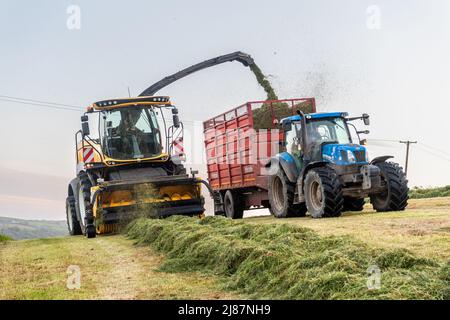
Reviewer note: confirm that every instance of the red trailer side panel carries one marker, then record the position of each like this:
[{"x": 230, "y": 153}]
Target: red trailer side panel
[{"x": 240, "y": 142}]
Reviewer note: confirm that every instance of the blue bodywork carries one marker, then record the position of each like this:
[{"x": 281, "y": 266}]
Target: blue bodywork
[{"x": 338, "y": 154}]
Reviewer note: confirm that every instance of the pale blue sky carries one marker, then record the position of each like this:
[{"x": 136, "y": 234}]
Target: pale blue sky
[{"x": 400, "y": 74}]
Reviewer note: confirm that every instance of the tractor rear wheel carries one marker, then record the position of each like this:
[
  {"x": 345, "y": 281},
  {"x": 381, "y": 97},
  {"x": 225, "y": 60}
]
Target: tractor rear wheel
[
  {"x": 84, "y": 207},
  {"x": 281, "y": 197},
  {"x": 323, "y": 193},
  {"x": 233, "y": 207},
  {"x": 395, "y": 195},
  {"x": 72, "y": 223},
  {"x": 353, "y": 204}
]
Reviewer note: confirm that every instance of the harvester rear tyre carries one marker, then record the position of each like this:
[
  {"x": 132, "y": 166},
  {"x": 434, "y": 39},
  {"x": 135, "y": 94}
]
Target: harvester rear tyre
[
  {"x": 84, "y": 207},
  {"x": 232, "y": 205},
  {"x": 72, "y": 222},
  {"x": 281, "y": 197},
  {"x": 395, "y": 196},
  {"x": 323, "y": 193},
  {"x": 353, "y": 204}
]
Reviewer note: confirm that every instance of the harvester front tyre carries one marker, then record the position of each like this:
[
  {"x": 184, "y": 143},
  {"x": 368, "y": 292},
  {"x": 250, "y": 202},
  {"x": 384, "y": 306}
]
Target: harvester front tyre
[
  {"x": 84, "y": 207},
  {"x": 72, "y": 223},
  {"x": 91, "y": 231},
  {"x": 281, "y": 197},
  {"x": 233, "y": 207},
  {"x": 395, "y": 195},
  {"x": 353, "y": 204},
  {"x": 323, "y": 193}
]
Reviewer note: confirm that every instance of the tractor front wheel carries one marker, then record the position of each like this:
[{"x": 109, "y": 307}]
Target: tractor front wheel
[
  {"x": 394, "y": 197},
  {"x": 323, "y": 193},
  {"x": 281, "y": 197}
]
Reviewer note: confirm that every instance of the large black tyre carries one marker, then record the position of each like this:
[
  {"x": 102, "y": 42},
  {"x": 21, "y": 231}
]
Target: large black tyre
[
  {"x": 234, "y": 208},
  {"x": 84, "y": 207},
  {"x": 395, "y": 195},
  {"x": 281, "y": 197},
  {"x": 71, "y": 215},
  {"x": 323, "y": 193},
  {"x": 353, "y": 204}
]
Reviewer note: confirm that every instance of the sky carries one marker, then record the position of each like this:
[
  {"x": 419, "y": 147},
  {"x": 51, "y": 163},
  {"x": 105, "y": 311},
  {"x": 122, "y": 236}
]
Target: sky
[{"x": 385, "y": 58}]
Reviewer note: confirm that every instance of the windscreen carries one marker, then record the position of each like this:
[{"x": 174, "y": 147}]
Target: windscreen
[
  {"x": 328, "y": 130},
  {"x": 130, "y": 133}
]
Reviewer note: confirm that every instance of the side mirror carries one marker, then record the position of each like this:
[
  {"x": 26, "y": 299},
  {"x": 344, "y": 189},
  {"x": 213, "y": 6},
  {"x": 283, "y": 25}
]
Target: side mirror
[
  {"x": 84, "y": 118},
  {"x": 287, "y": 126},
  {"x": 176, "y": 119},
  {"x": 85, "y": 128},
  {"x": 366, "y": 119}
]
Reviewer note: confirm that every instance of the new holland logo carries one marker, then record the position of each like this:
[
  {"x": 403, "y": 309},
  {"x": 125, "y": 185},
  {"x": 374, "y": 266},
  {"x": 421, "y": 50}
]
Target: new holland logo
[{"x": 88, "y": 154}]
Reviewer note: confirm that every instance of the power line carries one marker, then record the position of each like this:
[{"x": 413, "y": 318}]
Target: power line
[
  {"x": 435, "y": 149},
  {"x": 41, "y": 102},
  {"x": 42, "y": 105},
  {"x": 433, "y": 153},
  {"x": 383, "y": 140},
  {"x": 45, "y": 104}
]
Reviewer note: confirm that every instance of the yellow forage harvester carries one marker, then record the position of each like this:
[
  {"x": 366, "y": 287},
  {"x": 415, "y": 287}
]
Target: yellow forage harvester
[{"x": 130, "y": 165}]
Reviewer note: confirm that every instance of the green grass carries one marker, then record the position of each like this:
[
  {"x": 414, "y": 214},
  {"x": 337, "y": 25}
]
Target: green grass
[
  {"x": 4, "y": 238},
  {"x": 111, "y": 268},
  {"x": 421, "y": 193},
  {"x": 281, "y": 261}
]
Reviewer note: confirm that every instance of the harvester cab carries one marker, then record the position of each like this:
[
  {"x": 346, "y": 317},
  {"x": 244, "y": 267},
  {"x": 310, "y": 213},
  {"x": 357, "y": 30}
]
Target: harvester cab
[
  {"x": 324, "y": 171},
  {"x": 131, "y": 166}
]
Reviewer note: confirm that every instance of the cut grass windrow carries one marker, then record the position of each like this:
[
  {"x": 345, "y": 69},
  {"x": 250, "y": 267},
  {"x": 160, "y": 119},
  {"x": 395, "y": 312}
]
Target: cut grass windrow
[{"x": 281, "y": 261}]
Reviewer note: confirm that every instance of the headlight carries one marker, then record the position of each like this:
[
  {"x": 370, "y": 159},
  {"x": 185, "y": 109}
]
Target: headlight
[{"x": 351, "y": 157}]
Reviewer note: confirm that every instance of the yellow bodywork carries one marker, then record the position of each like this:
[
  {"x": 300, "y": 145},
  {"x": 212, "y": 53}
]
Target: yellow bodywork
[
  {"x": 134, "y": 194},
  {"x": 139, "y": 194}
]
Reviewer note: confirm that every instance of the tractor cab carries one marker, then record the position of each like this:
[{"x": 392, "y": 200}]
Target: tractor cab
[{"x": 326, "y": 138}]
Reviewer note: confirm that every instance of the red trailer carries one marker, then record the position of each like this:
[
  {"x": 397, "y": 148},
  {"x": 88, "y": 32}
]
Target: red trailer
[{"x": 239, "y": 143}]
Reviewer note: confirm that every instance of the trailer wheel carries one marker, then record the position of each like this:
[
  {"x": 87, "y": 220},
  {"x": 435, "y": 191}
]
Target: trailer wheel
[
  {"x": 353, "y": 204},
  {"x": 323, "y": 193},
  {"x": 395, "y": 195},
  {"x": 281, "y": 197},
  {"x": 72, "y": 223},
  {"x": 84, "y": 207},
  {"x": 233, "y": 207}
]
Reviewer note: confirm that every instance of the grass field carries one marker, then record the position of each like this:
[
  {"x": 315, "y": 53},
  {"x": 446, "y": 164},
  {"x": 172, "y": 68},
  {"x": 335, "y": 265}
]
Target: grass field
[
  {"x": 288, "y": 258},
  {"x": 424, "y": 228},
  {"x": 111, "y": 268}
]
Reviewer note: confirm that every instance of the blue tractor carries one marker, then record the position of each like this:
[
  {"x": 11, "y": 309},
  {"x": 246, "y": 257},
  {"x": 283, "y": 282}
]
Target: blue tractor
[{"x": 323, "y": 171}]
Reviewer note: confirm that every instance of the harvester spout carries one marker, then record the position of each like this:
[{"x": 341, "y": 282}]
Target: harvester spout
[{"x": 239, "y": 56}]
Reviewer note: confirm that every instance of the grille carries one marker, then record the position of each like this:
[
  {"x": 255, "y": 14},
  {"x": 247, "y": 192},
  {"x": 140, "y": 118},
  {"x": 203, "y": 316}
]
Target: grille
[{"x": 360, "y": 155}]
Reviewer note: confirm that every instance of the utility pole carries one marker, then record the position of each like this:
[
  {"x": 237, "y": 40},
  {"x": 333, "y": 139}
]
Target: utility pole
[{"x": 407, "y": 154}]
